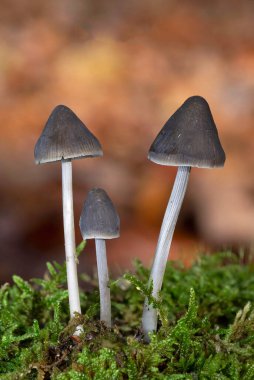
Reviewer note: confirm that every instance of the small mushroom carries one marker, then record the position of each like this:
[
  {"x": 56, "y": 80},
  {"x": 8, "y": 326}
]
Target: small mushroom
[
  {"x": 100, "y": 221},
  {"x": 188, "y": 139},
  {"x": 65, "y": 138}
]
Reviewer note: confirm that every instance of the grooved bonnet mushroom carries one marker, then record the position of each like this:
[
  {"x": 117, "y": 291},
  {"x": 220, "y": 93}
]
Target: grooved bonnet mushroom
[
  {"x": 65, "y": 138},
  {"x": 188, "y": 139},
  {"x": 100, "y": 221}
]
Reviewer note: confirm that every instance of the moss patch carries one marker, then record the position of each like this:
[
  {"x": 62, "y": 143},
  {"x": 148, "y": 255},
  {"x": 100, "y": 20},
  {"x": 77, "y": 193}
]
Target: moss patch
[{"x": 206, "y": 326}]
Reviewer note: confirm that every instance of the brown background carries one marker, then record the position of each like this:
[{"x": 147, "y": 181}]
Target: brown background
[{"x": 124, "y": 68}]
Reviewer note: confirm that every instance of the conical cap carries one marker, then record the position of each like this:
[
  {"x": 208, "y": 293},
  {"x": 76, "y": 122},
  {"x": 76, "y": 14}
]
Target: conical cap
[
  {"x": 65, "y": 137},
  {"x": 189, "y": 138},
  {"x": 99, "y": 218}
]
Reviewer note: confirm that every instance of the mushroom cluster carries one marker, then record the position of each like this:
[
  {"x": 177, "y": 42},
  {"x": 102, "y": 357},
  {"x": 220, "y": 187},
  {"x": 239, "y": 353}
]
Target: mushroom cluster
[{"x": 188, "y": 139}]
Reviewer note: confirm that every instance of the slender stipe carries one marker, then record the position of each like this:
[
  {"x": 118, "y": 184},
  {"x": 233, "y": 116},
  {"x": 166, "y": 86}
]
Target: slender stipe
[
  {"x": 69, "y": 238},
  {"x": 149, "y": 319},
  {"x": 105, "y": 303}
]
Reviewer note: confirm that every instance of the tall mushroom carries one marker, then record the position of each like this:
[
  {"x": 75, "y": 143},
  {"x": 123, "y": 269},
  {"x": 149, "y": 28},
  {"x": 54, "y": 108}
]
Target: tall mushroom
[
  {"x": 100, "y": 221},
  {"x": 65, "y": 138},
  {"x": 188, "y": 139}
]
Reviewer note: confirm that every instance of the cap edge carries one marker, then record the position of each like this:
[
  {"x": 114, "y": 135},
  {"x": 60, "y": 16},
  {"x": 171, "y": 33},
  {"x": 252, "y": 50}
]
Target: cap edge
[
  {"x": 174, "y": 160},
  {"x": 67, "y": 157}
]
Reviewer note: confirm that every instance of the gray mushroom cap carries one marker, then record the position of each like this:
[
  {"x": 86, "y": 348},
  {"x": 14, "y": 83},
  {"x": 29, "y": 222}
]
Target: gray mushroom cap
[
  {"x": 65, "y": 137},
  {"x": 189, "y": 138},
  {"x": 99, "y": 218}
]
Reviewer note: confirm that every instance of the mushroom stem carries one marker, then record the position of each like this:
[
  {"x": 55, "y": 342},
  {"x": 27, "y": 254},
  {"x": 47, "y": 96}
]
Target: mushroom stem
[
  {"x": 149, "y": 318},
  {"x": 69, "y": 238},
  {"x": 105, "y": 303}
]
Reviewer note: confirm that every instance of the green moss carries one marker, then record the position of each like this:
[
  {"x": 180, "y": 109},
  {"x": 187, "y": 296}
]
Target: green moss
[{"x": 206, "y": 326}]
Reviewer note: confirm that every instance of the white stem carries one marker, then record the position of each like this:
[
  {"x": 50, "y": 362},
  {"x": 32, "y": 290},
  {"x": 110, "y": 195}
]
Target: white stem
[
  {"x": 149, "y": 318},
  {"x": 105, "y": 303},
  {"x": 69, "y": 238}
]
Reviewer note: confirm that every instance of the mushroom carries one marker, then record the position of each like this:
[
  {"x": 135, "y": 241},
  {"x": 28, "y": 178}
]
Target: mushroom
[
  {"x": 99, "y": 220},
  {"x": 65, "y": 138},
  {"x": 188, "y": 139}
]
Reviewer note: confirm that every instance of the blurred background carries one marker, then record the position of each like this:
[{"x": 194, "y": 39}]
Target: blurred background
[{"x": 124, "y": 68}]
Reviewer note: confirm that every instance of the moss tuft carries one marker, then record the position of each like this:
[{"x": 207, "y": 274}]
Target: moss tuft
[{"x": 206, "y": 326}]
